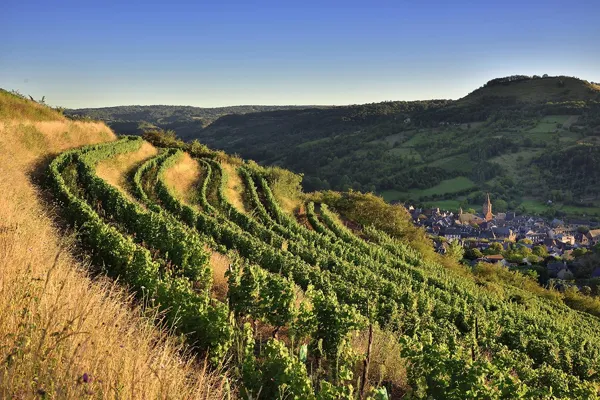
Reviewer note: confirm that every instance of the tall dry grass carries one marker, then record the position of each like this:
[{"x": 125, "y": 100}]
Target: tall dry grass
[
  {"x": 183, "y": 178},
  {"x": 62, "y": 334},
  {"x": 18, "y": 108},
  {"x": 234, "y": 187},
  {"x": 116, "y": 169}
]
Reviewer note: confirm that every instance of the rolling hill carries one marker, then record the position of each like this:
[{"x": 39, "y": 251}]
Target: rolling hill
[
  {"x": 493, "y": 140},
  {"x": 132, "y": 120},
  {"x": 329, "y": 295}
]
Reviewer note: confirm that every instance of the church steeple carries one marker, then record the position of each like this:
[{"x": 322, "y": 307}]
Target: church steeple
[{"x": 487, "y": 209}]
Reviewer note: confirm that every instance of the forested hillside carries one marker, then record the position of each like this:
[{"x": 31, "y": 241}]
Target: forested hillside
[
  {"x": 437, "y": 152},
  {"x": 132, "y": 120}
]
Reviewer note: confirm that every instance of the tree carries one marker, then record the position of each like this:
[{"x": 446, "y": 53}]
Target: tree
[
  {"x": 540, "y": 251},
  {"x": 579, "y": 252},
  {"x": 473, "y": 254},
  {"x": 583, "y": 229},
  {"x": 500, "y": 205},
  {"x": 455, "y": 251},
  {"x": 495, "y": 248}
]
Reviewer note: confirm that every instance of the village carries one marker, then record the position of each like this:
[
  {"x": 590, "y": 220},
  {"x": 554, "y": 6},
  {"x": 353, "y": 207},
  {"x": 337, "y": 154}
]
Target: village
[{"x": 513, "y": 240}]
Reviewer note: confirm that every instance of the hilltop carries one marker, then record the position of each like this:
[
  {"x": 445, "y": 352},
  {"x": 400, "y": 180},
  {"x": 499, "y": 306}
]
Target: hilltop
[{"x": 526, "y": 89}]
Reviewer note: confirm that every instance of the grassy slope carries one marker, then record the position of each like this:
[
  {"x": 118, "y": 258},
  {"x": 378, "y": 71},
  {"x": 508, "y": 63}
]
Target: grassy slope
[
  {"x": 56, "y": 324},
  {"x": 234, "y": 187}
]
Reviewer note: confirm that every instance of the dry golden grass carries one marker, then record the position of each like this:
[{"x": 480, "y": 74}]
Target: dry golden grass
[
  {"x": 234, "y": 187},
  {"x": 15, "y": 107},
  {"x": 32, "y": 139},
  {"x": 116, "y": 169},
  {"x": 386, "y": 363},
  {"x": 183, "y": 178},
  {"x": 289, "y": 206},
  {"x": 219, "y": 264},
  {"x": 63, "y": 335}
]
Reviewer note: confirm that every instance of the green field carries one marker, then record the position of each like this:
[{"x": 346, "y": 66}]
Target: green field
[
  {"x": 510, "y": 161},
  {"x": 549, "y": 123},
  {"x": 445, "y": 187},
  {"x": 448, "y": 186},
  {"x": 450, "y": 205},
  {"x": 406, "y": 152},
  {"x": 461, "y": 163},
  {"x": 538, "y": 207}
]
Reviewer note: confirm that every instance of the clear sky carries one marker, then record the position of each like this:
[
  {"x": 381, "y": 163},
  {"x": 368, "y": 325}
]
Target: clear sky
[{"x": 217, "y": 53}]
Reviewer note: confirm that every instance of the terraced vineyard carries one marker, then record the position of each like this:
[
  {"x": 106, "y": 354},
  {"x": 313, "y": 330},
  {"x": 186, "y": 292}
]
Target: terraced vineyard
[{"x": 297, "y": 294}]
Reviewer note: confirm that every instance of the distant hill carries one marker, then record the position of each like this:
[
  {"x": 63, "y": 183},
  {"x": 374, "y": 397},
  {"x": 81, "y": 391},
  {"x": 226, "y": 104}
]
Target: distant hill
[
  {"x": 497, "y": 139},
  {"x": 527, "y": 89},
  {"x": 184, "y": 119}
]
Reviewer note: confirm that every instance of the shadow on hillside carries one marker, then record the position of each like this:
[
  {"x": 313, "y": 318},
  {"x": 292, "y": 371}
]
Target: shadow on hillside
[{"x": 39, "y": 176}]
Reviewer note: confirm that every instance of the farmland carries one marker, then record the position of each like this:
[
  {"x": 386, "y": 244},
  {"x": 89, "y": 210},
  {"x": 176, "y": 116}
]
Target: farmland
[{"x": 300, "y": 286}]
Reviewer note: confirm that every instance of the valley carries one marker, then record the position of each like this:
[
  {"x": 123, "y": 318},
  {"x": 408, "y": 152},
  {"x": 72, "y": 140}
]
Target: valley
[
  {"x": 339, "y": 294},
  {"x": 499, "y": 139}
]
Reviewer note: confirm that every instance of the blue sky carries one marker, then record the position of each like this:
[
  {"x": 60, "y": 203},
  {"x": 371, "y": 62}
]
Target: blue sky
[{"x": 217, "y": 53}]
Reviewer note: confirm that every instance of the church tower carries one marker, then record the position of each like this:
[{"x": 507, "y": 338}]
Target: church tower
[{"x": 487, "y": 209}]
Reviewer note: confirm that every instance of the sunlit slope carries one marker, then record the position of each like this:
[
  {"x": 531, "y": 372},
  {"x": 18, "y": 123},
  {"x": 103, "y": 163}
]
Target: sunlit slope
[
  {"x": 62, "y": 334},
  {"x": 355, "y": 262},
  {"x": 557, "y": 89}
]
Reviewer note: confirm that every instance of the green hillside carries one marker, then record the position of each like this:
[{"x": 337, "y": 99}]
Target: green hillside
[
  {"x": 496, "y": 137},
  {"x": 312, "y": 282}
]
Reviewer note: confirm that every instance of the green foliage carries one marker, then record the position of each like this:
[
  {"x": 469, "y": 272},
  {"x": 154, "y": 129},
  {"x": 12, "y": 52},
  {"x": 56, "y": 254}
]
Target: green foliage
[
  {"x": 494, "y": 248},
  {"x": 186, "y": 310},
  {"x": 473, "y": 254},
  {"x": 492, "y": 333},
  {"x": 455, "y": 251},
  {"x": 579, "y": 252},
  {"x": 264, "y": 296},
  {"x": 277, "y": 374},
  {"x": 334, "y": 322}
]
